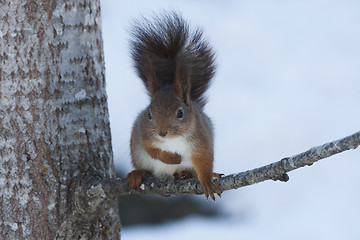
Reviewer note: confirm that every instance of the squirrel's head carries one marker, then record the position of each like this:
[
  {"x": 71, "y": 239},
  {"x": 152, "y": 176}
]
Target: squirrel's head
[{"x": 168, "y": 115}]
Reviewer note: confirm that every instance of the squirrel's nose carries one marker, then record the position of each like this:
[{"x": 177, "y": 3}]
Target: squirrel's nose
[{"x": 163, "y": 134}]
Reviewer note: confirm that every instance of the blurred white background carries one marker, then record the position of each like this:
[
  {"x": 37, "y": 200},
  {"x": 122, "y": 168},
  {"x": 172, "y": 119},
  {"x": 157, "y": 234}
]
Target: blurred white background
[{"x": 288, "y": 79}]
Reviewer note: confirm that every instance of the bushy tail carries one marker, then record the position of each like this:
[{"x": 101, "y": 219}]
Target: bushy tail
[{"x": 164, "y": 46}]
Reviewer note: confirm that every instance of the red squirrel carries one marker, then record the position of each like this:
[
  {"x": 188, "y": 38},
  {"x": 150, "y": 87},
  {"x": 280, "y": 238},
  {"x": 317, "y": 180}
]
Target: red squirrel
[{"x": 173, "y": 137}]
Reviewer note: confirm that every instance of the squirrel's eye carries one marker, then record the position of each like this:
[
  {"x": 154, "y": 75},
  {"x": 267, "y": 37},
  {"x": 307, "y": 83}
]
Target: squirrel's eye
[
  {"x": 180, "y": 113},
  {"x": 149, "y": 114}
]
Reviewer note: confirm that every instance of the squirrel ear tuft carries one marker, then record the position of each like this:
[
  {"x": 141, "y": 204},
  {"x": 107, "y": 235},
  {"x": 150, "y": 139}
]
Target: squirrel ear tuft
[
  {"x": 186, "y": 97},
  {"x": 177, "y": 86},
  {"x": 182, "y": 83},
  {"x": 150, "y": 76}
]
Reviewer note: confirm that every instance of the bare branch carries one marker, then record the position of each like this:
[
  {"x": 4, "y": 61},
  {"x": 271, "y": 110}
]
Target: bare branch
[{"x": 107, "y": 188}]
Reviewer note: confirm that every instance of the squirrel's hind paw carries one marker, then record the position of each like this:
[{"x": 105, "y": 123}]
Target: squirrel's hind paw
[
  {"x": 184, "y": 175},
  {"x": 135, "y": 178},
  {"x": 210, "y": 188}
]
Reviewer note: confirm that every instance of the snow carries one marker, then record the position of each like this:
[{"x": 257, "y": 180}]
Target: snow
[{"x": 287, "y": 80}]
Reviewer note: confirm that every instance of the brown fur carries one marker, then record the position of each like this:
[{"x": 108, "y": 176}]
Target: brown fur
[
  {"x": 176, "y": 66},
  {"x": 135, "y": 177},
  {"x": 203, "y": 157}
]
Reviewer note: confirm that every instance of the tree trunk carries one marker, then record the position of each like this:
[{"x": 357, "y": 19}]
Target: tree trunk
[{"x": 54, "y": 125}]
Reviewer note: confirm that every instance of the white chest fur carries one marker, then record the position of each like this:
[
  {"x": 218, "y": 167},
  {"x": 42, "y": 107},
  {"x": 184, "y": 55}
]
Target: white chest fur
[{"x": 179, "y": 145}]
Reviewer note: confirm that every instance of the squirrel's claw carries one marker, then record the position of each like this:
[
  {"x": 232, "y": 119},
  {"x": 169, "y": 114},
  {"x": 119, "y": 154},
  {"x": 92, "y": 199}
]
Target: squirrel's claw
[
  {"x": 217, "y": 175},
  {"x": 210, "y": 188}
]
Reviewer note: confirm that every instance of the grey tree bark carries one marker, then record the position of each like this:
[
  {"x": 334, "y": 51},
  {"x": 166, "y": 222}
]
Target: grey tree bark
[{"x": 54, "y": 127}]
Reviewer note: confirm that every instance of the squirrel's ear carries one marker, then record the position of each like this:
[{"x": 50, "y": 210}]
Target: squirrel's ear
[
  {"x": 150, "y": 76},
  {"x": 182, "y": 83}
]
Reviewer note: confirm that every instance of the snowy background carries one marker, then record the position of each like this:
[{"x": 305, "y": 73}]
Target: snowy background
[{"x": 288, "y": 79}]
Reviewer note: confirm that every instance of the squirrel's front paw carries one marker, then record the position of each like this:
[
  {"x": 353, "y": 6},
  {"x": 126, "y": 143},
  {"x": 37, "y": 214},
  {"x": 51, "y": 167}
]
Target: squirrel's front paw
[
  {"x": 135, "y": 178},
  {"x": 175, "y": 159},
  {"x": 170, "y": 158}
]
